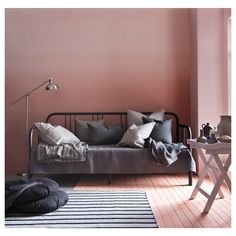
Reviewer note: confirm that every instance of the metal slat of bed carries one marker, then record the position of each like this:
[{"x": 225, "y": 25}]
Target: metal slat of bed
[{"x": 71, "y": 116}]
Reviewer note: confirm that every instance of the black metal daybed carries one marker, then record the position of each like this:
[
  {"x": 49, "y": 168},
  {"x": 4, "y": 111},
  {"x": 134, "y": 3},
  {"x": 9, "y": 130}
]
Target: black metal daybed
[{"x": 112, "y": 159}]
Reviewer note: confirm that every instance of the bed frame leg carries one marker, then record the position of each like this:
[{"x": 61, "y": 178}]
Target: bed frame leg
[
  {"x": 109, "y": 179},
  {"x": 190, "y": 178},
  {"x": 29, "y": 175}
]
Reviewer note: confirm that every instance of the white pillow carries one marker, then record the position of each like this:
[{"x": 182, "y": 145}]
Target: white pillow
[
  {"x": 55, "y": 135},
  {"x": 135, "y": 117},
  {"x": 135, "y": 135}
]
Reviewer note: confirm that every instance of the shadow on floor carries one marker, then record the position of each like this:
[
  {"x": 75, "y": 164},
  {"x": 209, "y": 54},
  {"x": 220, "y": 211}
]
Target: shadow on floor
[{"x": 65, "y": 182}]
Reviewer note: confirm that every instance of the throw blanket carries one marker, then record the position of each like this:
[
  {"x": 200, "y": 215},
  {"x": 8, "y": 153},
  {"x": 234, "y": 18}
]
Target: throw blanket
[
  {"x": 62, "y": 152},
  {"x": 164, "y": 153}
]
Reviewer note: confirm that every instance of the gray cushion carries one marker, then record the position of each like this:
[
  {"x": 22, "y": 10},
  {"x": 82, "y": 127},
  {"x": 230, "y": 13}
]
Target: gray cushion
[
  {"x": 81, "y": 128},
  {"x": 161, "y": 131},
  {"x": 55, "y": 135},
  {"x": 135, "y": 135},
  {"x": 37, "y": 192},
  {"x": 101, "y": 134},
  {"x": 50, "y": 203},
  {"x": 135, "y": 117}
]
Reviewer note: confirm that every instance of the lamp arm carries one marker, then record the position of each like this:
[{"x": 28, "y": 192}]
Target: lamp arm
[{"x": 31, "y": 91}]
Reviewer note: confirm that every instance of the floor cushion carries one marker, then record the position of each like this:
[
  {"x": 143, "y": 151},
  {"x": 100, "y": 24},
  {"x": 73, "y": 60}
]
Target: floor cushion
[
  {"x": 45, "y": 205},
  {"x": 39, "y": 191}
]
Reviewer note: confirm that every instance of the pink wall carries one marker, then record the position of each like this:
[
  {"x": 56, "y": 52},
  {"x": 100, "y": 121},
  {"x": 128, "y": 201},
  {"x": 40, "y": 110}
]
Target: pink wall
[
  {"x": 102, "y": 59},
  {"x": 210, "y": 70},
  {"x": 209, "y": 75}
]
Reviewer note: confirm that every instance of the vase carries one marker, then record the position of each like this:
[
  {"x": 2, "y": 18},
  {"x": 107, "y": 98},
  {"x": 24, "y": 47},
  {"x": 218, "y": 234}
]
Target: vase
[
  {"x": 212, "y": 139},
  {"x": 206, "y": 129},
  {"x": 224, "y": 127},
  {"x": 202, "y": 138}
]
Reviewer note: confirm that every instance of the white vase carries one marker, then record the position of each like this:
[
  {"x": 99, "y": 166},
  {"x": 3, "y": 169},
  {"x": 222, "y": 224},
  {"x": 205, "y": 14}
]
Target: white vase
[{"x": 224, "y": 127}]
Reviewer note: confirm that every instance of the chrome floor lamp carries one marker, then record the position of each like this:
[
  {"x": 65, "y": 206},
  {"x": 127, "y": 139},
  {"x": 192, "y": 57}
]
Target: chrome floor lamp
[{"x": 50, "y": 86}]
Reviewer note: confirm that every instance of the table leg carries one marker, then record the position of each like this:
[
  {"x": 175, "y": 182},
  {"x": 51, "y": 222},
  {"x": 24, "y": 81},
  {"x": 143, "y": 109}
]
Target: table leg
[
  {"x": 202, "y": 175},
  {"x": 211, "y": 172},
  {"x": 217, "y": 185},
  {"x": 224, "y": 169},
  {"x": 214, "y": 180}
]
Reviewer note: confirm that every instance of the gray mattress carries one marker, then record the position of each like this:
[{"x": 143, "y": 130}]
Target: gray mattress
[{"x": 111, "y": 159}]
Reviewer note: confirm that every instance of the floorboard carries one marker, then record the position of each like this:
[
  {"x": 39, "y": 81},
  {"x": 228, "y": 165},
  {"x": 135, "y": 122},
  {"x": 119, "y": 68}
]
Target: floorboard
[{"x": 169, "y": 197}]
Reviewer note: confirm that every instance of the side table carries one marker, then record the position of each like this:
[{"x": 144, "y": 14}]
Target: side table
[{"x": 218, "y": 173}]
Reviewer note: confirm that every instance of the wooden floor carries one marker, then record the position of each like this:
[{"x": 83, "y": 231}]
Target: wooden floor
[{"x": 169, "y": 198}]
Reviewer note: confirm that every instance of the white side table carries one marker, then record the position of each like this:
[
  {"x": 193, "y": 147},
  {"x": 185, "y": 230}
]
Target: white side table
[{"x": 217, "y": 173}]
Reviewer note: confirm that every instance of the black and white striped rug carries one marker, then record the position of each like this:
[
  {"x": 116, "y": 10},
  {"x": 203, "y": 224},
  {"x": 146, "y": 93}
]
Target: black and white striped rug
[{"x": 93, "y": 209}]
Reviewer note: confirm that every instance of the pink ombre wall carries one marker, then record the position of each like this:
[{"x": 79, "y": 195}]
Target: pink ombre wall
[
  {"x": 209, "y": 62},
  {"x": 212, "y": 81},
  {"x": 102, "y": 59},
  {"x": 209, "y": 75}
]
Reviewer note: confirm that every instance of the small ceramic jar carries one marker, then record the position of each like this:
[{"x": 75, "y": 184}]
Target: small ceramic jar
[{"x": 202, "y": 138}]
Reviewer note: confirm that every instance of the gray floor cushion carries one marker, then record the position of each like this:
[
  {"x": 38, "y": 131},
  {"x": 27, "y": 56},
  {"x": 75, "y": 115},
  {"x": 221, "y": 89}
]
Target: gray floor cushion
[
  {"x": 47, "y": 186},
  {"x": 45, "y": 205}
]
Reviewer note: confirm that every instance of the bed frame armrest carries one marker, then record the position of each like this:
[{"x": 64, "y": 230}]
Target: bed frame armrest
[
  {"x": 185, "y": 133},
  {"x": 31, "y": 134},
  {"x": 31, "y": 143},
  {"x": 30, "y": 148}
]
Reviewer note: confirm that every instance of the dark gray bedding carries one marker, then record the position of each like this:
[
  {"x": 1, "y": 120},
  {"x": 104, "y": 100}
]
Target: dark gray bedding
[
  {"x": 112, "y": 159},
  {"x": 164, "y": 153}
]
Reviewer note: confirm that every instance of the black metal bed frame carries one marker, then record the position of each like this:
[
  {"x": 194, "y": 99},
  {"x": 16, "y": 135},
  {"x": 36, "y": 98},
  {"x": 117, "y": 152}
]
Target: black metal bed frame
[{"x": 181, "y": 132}]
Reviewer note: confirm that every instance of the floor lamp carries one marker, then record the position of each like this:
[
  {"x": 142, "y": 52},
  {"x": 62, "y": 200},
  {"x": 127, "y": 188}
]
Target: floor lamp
[{"x": 49, "y": 86}]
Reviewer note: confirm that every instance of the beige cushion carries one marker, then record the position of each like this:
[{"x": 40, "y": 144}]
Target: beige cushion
[
  {"x": 135, "y": 117},
  {"x": 55, "y": 135},
  {"x": 135, "y": 135}
]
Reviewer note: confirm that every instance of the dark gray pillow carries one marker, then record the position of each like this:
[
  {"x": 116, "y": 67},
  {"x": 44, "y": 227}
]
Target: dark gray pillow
[
  {"x": 81, "y": 128},
  {"x": 161, "y": 131},
  {"x": 101, "y": 134}
]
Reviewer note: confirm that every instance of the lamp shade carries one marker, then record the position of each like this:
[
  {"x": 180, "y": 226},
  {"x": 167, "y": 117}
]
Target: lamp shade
[{"x": 51, "y": 85}]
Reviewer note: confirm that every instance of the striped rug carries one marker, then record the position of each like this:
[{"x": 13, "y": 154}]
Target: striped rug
[{"x": 93, "y": 209}]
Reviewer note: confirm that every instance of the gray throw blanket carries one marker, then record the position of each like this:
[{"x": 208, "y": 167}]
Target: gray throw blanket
[
  {"x": 62, "y": 152},
  {"x": 164, "y": 153}
]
